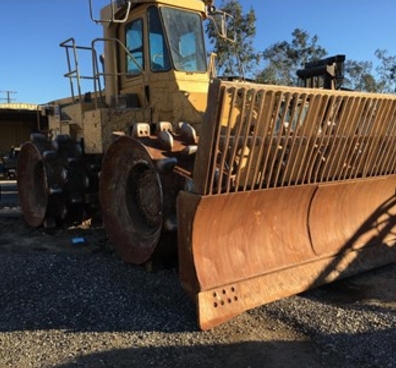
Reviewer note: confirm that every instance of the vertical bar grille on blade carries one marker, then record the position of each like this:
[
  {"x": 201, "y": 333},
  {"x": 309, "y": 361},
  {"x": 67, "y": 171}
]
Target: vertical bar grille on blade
[{"x": 266, "y": 136}]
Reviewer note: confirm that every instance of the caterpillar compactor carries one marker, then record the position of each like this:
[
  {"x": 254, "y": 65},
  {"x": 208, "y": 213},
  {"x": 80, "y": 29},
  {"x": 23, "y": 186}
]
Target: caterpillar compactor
[{"x": 263, "y": 191}]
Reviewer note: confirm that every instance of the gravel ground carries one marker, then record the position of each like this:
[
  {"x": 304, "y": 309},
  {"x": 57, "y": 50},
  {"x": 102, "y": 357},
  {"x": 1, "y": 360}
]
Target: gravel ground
[{"x": 67, "y": 306}]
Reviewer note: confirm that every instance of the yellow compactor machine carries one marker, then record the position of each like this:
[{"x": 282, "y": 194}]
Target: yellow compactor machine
[{"x": 266, "y": 190}]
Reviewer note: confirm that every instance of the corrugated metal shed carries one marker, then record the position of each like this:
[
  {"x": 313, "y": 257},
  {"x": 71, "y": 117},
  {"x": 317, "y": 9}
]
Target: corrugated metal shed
[
  {"x": 17, "y": 122},
  {"x": 19, "y": 106}
]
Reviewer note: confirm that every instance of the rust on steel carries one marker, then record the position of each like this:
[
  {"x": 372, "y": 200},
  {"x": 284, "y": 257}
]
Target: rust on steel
[
  {"x": 32, "y": 187},
  {"x": 139, "y": 184},
  {"x": 293, "y": 188}
]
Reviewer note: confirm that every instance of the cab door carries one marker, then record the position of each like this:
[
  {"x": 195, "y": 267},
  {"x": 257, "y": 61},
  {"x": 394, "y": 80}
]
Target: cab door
[
  {"x": 133, "y": 63},
  {"x": 147, "y": 70}
]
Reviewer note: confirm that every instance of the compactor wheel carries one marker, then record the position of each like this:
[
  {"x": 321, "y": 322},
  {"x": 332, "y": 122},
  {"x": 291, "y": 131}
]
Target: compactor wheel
[
  {"x": 131, "y": 199},
  {"x": 52, "y": 181},
  {"x": 32, "y": 185}
]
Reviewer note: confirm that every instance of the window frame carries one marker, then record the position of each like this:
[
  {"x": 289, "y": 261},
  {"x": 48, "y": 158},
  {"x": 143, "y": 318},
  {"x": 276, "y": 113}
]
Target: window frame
[
  {"x": 128, "y": 60},
  {"x": 166, "y": 54}
]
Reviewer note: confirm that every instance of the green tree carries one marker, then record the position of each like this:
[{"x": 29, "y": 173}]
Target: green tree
[
  {"x": 359, "y": 76},
  {"x": 283, "y": 59},
  {"x": 386, "y": 71},
  {"x": 234, "y": 59}
]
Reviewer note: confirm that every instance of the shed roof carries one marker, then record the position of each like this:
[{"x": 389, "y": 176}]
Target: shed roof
[{"x": 18, "y": 106}]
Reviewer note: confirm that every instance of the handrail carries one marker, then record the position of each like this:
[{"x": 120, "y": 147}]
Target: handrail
[
  {"x": 74, "y": 73},
  {"x": 115, "y": 73}
]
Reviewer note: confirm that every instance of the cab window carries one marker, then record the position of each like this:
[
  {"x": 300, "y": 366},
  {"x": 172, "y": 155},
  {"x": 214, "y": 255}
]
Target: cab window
[
  {"x": 159, "y": 55},
  {"x": 135, "y": 47},
  {"x": 186, "y": 42}
]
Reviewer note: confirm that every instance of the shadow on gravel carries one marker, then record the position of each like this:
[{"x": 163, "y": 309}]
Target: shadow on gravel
[
  {"x": 274, "y": 354},
  {"x": 17, "y": 236},
  {"x": 85, "y": 292},
  {"x": 375, "y": 289},
  {"x": 370, "y": 341},
  {"x": 47, "y": 282}
]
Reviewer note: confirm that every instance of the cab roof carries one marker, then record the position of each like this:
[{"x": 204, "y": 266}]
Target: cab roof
[{"x": 194, "y": 5}]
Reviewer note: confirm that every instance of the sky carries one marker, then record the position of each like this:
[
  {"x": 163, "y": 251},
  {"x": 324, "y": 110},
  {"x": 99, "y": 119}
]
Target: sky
[{"x": 32, "y": 64}]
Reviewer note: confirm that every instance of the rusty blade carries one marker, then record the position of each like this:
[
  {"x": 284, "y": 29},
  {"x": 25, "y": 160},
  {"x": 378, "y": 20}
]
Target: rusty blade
[
  {"x": 219, "y": 305},
  {"x": 347, "y": 216},
  {"x": 241, "y": 250},
  {"x": 240, "y": 235},
  {"x": 227, "y": 239}
]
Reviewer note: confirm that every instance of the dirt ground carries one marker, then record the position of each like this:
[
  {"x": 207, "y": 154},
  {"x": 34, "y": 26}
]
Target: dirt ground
[{"x": 289, "y": 334}]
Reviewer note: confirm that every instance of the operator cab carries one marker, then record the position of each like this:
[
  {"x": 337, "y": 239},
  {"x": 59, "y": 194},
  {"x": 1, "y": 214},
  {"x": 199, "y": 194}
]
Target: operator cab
[
  {"x": 175, "y": 41},
  {"x": 160, "y": 59}
]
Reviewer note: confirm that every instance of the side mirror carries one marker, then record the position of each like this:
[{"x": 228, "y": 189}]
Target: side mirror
[
  {"x": 110, "y": 11},
  {"x": 224, "y": 23}
]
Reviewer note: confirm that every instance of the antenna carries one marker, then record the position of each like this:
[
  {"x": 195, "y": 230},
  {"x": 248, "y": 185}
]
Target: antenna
[{"x": 8, "y": 98}]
